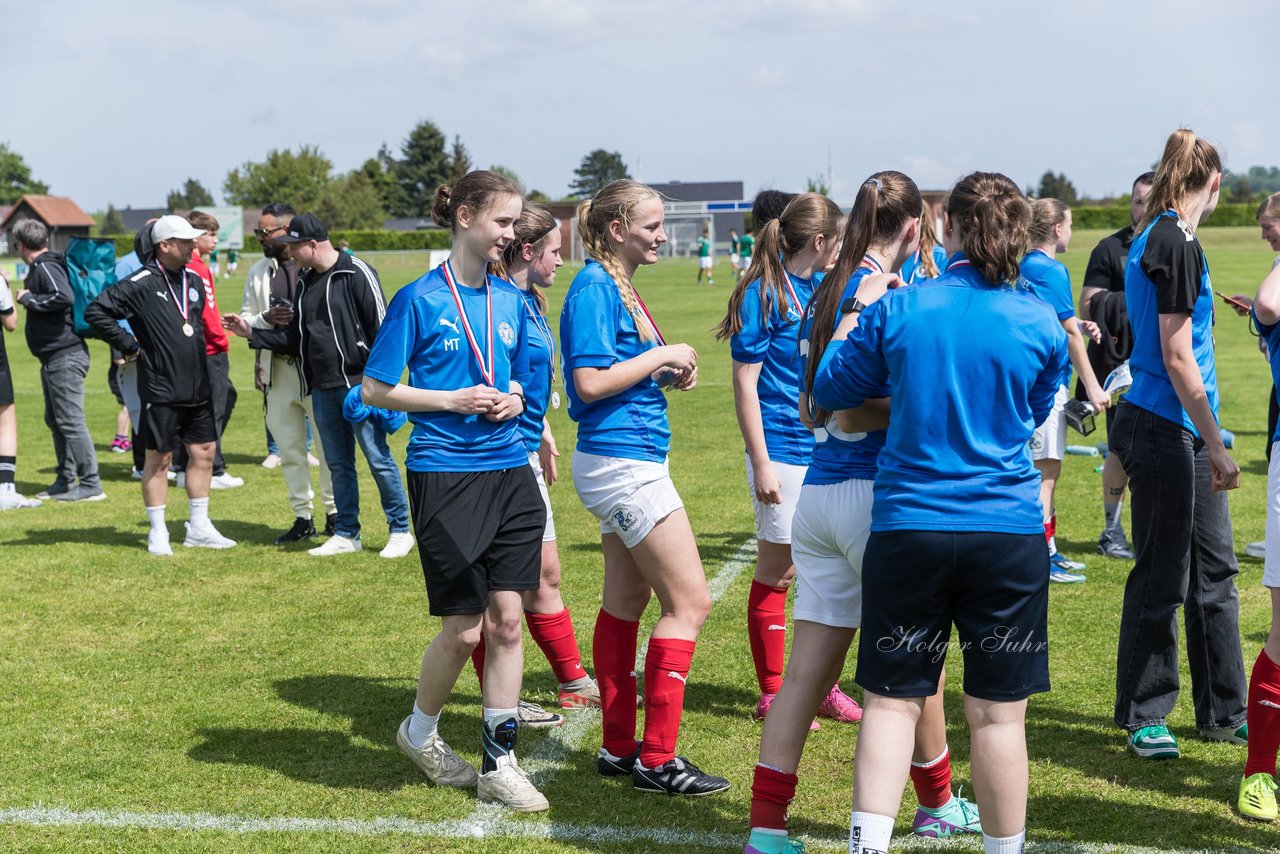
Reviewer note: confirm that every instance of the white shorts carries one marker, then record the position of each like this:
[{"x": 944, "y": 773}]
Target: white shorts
[
  {"x": 773, "y": 521},
  {"x": 1049, "y": 442},
  {"x": 735, "y": 259},
  {"x": 629, "y": 497},
  {"x": 705, "y": 261},
  {"x": 548, "y": 533},
  {"x": 1271, "y": 563},
  {"x": 829, "y": 538}
]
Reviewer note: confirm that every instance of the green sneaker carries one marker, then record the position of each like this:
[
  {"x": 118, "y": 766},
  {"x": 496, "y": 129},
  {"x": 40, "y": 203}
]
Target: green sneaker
[
  {"x": 1154, "y": 742},
  {"x": 1230, "y": 735},
  {"x": 763, "y": 841},
  {"x": 957, "y": 816},
  {"x": 1257, "y": 798}
]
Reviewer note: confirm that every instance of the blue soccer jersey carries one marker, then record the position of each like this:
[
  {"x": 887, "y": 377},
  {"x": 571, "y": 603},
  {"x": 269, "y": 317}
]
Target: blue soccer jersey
[
  {"x": 1271, "y": 334},
  {"x": 1048, "y": 279},
  {"x": 912, "y": 271},
  {"x": 1167, "y": 274},
  {"x": 424, "y": 331},
  {"x": 597, "y": 331},
  {"x": 973, "y": 368},
  {"x": 537, "y": 385},
  {"x": 771, "y": 340},
  {"x": 839, "y": 456}
]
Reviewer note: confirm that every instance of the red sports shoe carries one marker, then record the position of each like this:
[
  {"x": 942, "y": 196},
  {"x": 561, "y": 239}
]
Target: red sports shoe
[{"x": 839, "y": 706}]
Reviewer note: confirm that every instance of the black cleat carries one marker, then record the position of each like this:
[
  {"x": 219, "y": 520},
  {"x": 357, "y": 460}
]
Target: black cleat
[
  {"x": 329, "y": 522},
  {"x": 303, "y": 529},
  {"x": 677, "y": 776},
  {"x": 616, "y": 766}
]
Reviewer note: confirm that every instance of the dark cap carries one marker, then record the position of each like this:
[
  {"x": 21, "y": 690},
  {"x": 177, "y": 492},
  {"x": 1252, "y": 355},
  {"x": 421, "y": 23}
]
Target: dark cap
[{"x": 304, "y": 227}]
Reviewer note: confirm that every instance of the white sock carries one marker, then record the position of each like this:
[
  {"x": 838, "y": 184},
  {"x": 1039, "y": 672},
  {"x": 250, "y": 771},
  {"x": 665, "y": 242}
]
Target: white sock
[
  {"x": 155, "y": 515},
  {"x": 1004, "y": 844},
  {"x": 199, "y": 511},
  {"x": 8, "y": 487},
  {"x": 870, "y": 833},
  {"x": 494, "y": 717},
  {"x": 1053, "y": 545},
  {"x": 421, "y": 726}
]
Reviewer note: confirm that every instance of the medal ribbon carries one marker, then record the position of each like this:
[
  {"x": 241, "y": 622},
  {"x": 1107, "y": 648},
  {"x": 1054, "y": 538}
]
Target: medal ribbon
[
  {"x": 185, "y": 308},
  {"x": 791, "y": 291},
  {"x": 466, "y": 323},
  {"x": 869, "y": 262},
  {"x": 653, "y": 324},
  {"x": 959, "y": 262},
  {"x": 544, "y": 329}
]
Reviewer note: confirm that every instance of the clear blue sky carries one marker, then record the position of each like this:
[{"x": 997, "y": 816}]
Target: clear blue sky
[{"x": 110, "y": 104}]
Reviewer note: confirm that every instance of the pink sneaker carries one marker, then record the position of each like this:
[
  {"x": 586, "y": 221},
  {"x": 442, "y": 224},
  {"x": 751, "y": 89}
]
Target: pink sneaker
[
  {"x": 839, "y": 706},
  {"x": 762, "y": 709}
]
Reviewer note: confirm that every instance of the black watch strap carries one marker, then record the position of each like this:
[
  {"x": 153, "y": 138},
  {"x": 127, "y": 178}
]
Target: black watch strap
[{"x": 853, "y": 305}]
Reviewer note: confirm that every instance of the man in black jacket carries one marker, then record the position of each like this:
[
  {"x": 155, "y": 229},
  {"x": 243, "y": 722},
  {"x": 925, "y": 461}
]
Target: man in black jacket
[
  {"x": 64, "y": 363},
  {"x": 163, "y": 303},
  {"x": 337, "y": 312}
]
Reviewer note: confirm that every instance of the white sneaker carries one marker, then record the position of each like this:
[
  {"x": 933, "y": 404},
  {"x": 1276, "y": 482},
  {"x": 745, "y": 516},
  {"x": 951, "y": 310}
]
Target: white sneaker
[
  {"x": 1256, "y": 550},
  {"x": 271, "y": 461},
  {"x": 10, "y": 500},
  {"x": 173, "y": 475},
  {"x": 158, "y": 543},
  {"x": 437, "y": 760},
  {"x": 336, "y": 545},
  {"x": 508, "y": 785},
  {"x": 398, "y": 546},
  {"x": 206, "y": 537},
  {"x": 226, "y": 480},
  {"x": 312, "y": 460},
  {"x": 136, "y": 474}
]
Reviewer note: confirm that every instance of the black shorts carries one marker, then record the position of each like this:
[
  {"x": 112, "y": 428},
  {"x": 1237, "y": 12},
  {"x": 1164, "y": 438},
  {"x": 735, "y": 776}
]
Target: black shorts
[
  {"x": 6, "y": 381},
  {"x": 171, "y": 425},
  {"x": 477, "y": 531},
  {"x": 113, "y": 382},
  {"x": 993, "y": 587}
]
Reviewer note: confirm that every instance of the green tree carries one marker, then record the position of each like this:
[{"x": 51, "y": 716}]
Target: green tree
[
  {"x": 538, "y": 197},
  {"x": 459, "y": 159},
  {"x": 15, "y": 177},
  {"x": 379, "y": 170},
  {"x": 296, "y": 179},
  {"x": 351, "y": 201},
  {"x": 422, "y": 167},
  {"x": 817, "y": 184},
  {"x": 1238, "y": 191},
  {"x": 192, "y": 195},
  {"x": 597, "y": 169},
  {"x": 112, "y": 223},
  {"x": 1057, "y": 187},
  {"x": 507, "y": 173}
]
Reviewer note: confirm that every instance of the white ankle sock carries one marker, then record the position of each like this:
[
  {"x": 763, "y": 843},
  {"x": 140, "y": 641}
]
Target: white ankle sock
[
  {"x": 155, "y": 515},
  {"x": 421, "y": 726},
  {"x": 199, "y": 511},
  {"x": 493, "y": 717},
  {"x": 1004, "y": 844},
  {"x": 870, "y": 833}
]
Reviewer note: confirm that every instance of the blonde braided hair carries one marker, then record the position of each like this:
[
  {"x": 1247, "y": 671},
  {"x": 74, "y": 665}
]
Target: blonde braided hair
[{"x": 615, "y": 201}]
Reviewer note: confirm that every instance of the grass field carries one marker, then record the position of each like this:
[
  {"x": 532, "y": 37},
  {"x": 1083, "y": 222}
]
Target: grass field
[{"x": 248, "y": 700}]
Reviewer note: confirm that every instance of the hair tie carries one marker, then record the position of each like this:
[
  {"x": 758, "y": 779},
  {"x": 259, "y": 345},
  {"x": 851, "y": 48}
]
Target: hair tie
[{"x": 879, "y": 185}]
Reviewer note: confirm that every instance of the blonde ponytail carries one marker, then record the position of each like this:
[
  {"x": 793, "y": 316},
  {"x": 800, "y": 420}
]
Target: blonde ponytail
[{"x": 615, "y": 201}]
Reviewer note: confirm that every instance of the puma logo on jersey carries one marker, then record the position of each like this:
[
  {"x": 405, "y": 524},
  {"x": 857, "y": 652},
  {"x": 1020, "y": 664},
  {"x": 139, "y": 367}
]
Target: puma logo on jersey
[
  {"x": 162, "y": 295},
  {"x": 1268, "y": 703},
  {"x": 776, "y": 628},
  {"x": 452, "y": 325},
  {"x": 675, "y": 675}
]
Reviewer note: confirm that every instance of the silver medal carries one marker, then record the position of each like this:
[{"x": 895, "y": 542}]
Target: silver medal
[
  {"x": 187, "y": 330},
  {"x": 555, "y": 400}
]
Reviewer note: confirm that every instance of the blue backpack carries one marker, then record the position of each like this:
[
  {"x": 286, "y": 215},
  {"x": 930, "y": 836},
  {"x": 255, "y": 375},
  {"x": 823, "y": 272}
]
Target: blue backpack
[{"x": 91, "y": 267}]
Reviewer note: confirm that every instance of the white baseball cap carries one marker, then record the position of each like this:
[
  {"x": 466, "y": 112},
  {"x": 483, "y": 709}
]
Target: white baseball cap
[{"x": 174, "y": 227}]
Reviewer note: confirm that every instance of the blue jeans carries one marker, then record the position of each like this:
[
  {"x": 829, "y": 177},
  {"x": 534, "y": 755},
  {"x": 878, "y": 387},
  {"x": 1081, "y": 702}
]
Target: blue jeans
[
  {"x": 339, "y": 438},
  {"x": 1185, "y": 559}
]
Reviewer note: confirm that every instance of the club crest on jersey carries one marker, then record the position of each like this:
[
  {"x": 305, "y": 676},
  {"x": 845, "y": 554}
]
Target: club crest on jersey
[
  {"x": 506, "y": 333},
  {"x": 193, "y": 294},
  {"x": 624, "y": 519}
]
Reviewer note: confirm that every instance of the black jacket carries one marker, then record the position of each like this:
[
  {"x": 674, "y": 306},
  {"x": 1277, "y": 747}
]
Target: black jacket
[
  {"x": 336, "y": 316},
  {"x": 172, "y": 365},
  {"x": 50, "y": 325}
]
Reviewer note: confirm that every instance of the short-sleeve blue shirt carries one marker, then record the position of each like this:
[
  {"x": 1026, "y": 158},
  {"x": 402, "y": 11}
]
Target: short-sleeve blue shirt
[
  {"x": 423, "y": 332},
  {"x": 1048, "y": 279},
  {"x": 597, "y": 331},
  {"x": 772, "y": 342},
  {"x": 537, "y": 386}
]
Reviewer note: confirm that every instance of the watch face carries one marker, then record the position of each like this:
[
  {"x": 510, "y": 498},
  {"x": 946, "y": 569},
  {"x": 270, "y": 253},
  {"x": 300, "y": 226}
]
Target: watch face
[{"x": 850, "y": 305}]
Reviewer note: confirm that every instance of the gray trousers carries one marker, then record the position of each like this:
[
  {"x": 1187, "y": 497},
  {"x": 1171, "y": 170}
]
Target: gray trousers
[{"x": 62, "y": 381}]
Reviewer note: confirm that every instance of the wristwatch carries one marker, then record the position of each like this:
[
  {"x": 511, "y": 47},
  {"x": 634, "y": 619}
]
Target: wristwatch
[
  {"x": 853, "y": 305},
  {"x": 524, "y": 404}
]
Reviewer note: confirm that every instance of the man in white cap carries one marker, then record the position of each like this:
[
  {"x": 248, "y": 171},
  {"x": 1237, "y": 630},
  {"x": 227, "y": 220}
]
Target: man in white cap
[{"x": 163, "y": 304}]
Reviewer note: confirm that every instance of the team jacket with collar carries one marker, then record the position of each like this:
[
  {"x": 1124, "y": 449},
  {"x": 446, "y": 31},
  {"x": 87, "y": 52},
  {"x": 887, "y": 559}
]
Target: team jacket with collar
[
  {"x": 48, "y": 301},
  {"x": 336, "y": 316},
  {"x": 172, "y": 366}
]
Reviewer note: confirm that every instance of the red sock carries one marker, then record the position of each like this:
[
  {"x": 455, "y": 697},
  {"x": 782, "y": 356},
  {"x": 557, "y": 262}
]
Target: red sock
[
  {"x": 665, "y": 671},
  {"x": 1264, "y": 716},
  {"x": 613, "y": 649},
  {"x": 771, "y": 794},
  {"x": 553, "y": 633},
  {"x": 767, "y": 631},
  {"x": 477, "y": 661},
  {"x": 932, "y": 781},
  {"x": 1050, "y": 529}
]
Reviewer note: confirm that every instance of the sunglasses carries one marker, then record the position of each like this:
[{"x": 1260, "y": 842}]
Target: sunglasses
[{"x": 263, "y": 234}]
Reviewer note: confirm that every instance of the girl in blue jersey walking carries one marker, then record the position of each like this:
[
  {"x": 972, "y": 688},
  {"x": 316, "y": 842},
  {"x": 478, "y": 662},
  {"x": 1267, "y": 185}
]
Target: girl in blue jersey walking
[
  {"x": 1166, "y": 434},
  {"x": 762, "y": 323},
  {"x": 972, "y": 364},
  {"x": 617, "y": 365},
  {"x": 462, "y": 335}
]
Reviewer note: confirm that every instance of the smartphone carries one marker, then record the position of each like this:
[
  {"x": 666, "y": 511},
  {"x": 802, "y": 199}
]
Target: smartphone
[
  {"x": 1232, "y": 301},
  {"x": 280, "y": 302}
]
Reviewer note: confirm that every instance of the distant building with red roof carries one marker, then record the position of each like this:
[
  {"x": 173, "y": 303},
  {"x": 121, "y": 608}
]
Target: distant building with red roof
[{"x": 60, "y": 215}]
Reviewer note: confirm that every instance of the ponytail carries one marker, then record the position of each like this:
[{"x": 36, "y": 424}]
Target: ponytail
[
  {"x": 994, "y": 220},
  {"x": 1188, "y": 163},
  {"x": 615, "y": 201}
]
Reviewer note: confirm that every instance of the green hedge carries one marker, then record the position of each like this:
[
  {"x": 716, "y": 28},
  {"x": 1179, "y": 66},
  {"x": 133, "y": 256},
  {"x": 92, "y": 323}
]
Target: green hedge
[
  {"x": 361, "y": 241},
  {"x": 1117, "y": 216}
]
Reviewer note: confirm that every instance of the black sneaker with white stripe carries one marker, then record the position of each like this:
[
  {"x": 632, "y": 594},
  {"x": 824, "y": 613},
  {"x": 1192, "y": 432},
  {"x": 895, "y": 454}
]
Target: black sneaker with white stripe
[
  {"x": 677, "y": 776},
  {"x": 609, "y": 765}
]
